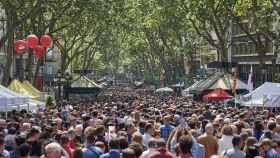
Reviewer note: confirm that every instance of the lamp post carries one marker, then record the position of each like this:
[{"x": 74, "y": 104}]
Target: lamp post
[
  {"x": 68, "y": 78},
  {"x": 59, "y": 80}
]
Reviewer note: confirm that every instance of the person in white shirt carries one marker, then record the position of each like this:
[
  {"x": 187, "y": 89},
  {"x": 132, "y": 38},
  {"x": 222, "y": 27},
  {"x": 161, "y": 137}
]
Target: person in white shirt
[
  {"x": 225, "y": 142},
  {"x": 151, "y": 148},
  {"x": 149, "y": 132}
]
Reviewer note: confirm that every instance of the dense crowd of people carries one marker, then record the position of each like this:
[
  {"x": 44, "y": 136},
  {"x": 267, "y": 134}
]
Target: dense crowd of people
[{"x": 130, "y": 124}]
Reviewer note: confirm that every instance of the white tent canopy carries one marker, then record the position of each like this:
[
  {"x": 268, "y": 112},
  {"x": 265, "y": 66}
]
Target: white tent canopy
[
  {"x": 8, "y": 98},
  {"x": 31, "y": 105},
  {"x": 267, "y": 95},
  {"x": 165, "y": 89}
]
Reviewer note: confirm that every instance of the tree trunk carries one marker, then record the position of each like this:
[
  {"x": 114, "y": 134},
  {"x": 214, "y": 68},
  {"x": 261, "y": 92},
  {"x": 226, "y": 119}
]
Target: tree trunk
[
  {"x": 63, "y": 61},
  {"x": 28, "y": 67},
  {"x": 168, "y": 73},
  {"x": 9, "y": 51},
  {"x": 40, "y": 30},
  {"x": 20, "y": 68},
  {"x": 261, "y": 53},
  {"x": 38, "y": 65}
]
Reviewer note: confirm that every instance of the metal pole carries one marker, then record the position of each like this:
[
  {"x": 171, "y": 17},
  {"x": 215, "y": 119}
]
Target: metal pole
[
  {"x": 230, "y": 42},
  {"x": 59, "y": 89},
  {"x": 6, "y": 113},
  {"x": 263, "y": 102}
]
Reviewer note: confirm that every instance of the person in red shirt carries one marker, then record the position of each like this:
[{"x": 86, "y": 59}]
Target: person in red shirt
[
  {"x": 72, "y": 140},
  {"x": 161, "y": 151},
  {"x": 64, "y": 141}
]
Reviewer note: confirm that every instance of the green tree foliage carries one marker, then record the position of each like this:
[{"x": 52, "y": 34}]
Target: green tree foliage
[
  {"x": 134, "y": 38},
  {"x": 211, "y": 21},
  {"x": 257, "y": 19}
]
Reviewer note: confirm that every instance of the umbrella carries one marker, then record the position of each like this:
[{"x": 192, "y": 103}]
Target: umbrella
[
  {"x": 232, "y": 102},
  {"x": 164, "y": 90},
  {"x": 178, "y": 85},
  {"x": 138, "y": 84},
  {"x": 128, "y": 89},
  {"x": 217, "y": 95}
]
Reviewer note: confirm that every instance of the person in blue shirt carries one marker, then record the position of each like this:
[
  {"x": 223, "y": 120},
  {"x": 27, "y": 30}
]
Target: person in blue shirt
[
  {"x": 90, "y": 150},
  {"x": 130, "y": 129},
  {"x": 266, "y": 148},
  {"x": 236, "y": 151},
  {"x": 20, "y": 139},
  {"x": 114, "y": 152},
  {"x": 258, "y": 129},
  {"x": 166, "y": 128}
]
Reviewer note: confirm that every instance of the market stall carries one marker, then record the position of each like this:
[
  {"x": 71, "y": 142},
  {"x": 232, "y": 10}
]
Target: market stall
[
  {"x": 267, "y": 95},
  {"x": 217, "y": 95}
]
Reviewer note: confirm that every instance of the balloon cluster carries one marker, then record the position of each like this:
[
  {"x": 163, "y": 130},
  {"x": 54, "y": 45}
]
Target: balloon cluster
[{"x": 32, "y": 41}]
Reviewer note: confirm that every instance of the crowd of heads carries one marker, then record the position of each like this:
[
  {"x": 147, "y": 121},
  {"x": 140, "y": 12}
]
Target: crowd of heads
[{"x": 135, "y": 124}]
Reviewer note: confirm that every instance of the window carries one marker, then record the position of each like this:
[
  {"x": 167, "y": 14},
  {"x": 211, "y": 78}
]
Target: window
[
  {"x": 250, "y": 48},
  {"x": 234, "y": 29},
  {"x": 234, "y": 49},
  {"x": 269, "y": 47},
  {"x": 242, "y": 48},
  {"x": 237, "y": 49},
  {"x": 253, "y": 48}
]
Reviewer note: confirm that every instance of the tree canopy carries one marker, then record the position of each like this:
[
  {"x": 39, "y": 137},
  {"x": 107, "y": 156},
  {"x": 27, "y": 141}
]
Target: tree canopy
[{"x": 133, "y": 38}]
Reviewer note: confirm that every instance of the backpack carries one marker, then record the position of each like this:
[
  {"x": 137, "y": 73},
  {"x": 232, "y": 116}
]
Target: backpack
[{"x": 91, "y": 148}]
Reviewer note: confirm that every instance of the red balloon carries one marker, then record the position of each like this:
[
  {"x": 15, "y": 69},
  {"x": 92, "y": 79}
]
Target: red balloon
[
  {"x": 20, "y": 46},
  {"x": 39, "y": 51},
  {"x": 32, "y": 41},
  {"x": 45, "y": 41}
]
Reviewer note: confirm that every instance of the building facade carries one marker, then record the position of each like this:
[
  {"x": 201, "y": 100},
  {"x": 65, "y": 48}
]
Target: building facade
[{"x": 244, "y": 53}]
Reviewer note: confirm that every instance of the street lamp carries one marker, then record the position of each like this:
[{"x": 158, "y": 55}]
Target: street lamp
[
  {"x": 59, "y": 80},
  {"x": 68, "y": 78}
]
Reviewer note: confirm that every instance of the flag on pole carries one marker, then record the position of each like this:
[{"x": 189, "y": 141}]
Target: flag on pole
[
  {"x": 250, "y": 80},
  {"x": 234, "y": 85}
]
